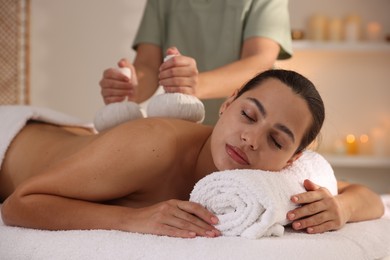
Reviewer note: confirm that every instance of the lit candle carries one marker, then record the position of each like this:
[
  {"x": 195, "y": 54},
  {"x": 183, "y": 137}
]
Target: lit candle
[
  {"x": 335, "y": 29},
  {"x": 373, "y": 31},
  {"x": 364, "y": 145},
  {"x": 351, "y": 145}
]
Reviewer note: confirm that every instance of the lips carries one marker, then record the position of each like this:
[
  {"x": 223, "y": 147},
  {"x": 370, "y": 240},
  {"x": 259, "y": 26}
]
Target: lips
[{"x": 237, "y": 155}]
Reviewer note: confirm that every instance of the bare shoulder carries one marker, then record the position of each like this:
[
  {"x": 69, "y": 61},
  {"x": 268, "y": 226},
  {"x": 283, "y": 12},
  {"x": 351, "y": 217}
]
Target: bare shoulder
[
  {"x": 160, "y": 127},
  {"x": 152, "y": 146},
  {"x": 157, "y": 135}
]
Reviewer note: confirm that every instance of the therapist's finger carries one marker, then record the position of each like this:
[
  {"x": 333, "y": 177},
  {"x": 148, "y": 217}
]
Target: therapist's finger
[
  {"x": 124, "y": 63},
  {"x": 172, "y": 51}
]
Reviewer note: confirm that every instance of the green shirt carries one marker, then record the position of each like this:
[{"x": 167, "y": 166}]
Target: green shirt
[{"x": 213, "y": 31}]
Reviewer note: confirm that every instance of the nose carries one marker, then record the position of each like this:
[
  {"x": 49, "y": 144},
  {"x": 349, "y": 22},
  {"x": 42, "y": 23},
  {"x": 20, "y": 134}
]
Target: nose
[{"x": 251, "y": 140}]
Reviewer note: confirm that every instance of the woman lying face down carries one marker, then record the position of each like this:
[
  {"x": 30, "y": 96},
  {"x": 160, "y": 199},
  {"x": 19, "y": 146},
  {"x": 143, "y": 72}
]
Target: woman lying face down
[{"x": 137, "y": 176}]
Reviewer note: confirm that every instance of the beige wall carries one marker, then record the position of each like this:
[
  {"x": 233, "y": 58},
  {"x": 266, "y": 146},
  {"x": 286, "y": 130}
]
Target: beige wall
[{"x": 72, "y": 42}]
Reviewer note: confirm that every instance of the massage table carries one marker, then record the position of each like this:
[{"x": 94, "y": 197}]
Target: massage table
[{"x": 364, "y": 240}]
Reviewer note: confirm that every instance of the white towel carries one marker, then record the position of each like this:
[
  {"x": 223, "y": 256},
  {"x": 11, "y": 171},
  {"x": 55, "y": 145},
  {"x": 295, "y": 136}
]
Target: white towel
[
  {"x": 254, "y": 203},
  {"x": 14, "y": 118}
]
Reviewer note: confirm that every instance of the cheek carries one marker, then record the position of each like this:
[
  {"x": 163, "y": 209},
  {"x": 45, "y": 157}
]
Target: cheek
[
  {"x": 270, "y": 161},
  {"x": 214, "y": 147},
  {"x": 219, "y": 139},
  {"x": 218, "y": 158}
]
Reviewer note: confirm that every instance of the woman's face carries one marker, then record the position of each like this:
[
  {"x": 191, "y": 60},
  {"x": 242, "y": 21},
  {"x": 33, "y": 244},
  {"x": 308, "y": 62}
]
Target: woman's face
[{"x": 261, "y": 129}]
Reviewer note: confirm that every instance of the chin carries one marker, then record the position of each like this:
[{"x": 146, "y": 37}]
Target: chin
[
  {"x": 229, "y": 166},
  {"x": 222, "y": 166}
]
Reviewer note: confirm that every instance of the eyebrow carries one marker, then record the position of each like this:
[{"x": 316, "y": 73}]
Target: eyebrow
[{"x": 281, "y": 127}]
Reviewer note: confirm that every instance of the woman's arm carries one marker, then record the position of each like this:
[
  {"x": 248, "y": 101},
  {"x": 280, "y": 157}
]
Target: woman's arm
[
  {"x": 361, "y": 202},
  {"x": 52, "y": 212},
  {"x": 323, "y": 212}
]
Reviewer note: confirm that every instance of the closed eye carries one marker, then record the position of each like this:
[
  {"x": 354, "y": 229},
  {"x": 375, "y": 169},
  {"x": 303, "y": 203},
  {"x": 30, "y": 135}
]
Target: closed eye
[
  {"x": 247, "y": 116},
  {"x": 277, "y": 145}
]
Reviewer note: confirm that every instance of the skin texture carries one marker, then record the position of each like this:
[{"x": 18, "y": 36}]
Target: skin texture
[{"x": 130, "y": 178}]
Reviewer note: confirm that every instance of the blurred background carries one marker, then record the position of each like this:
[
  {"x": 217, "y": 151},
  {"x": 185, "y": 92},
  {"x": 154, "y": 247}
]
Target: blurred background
[{"x": 342, "y": 46}]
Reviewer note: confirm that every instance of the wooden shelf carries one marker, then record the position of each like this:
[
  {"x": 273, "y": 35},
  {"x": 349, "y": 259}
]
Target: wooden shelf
[
  {"x": 341, "y": 46},
  {"x": 358, "y": 161}
]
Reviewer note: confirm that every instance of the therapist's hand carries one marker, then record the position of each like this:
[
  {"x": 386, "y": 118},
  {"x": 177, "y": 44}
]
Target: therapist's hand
[
  {"x": 179, "y": 74},
  {"x": 320, "y": 211},
  {"x": 115, "y": 86}
]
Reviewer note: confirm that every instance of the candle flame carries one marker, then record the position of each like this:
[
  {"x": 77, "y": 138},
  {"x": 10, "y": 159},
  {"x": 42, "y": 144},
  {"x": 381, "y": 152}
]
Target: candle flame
[
  {"x": 351, "y": 139},
  {"x": 364, "y": 139}
]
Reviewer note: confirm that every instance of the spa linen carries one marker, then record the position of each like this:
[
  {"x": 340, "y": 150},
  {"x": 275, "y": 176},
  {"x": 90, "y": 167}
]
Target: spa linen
[
  {"x": 254, "y": 203},
  {"x": 15, "y": 117}
]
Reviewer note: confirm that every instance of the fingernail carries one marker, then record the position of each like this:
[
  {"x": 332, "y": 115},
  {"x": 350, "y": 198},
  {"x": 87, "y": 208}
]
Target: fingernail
[
  {"x": 291, "y": 216},
  {"x": 297, "y": 225},
  {"x": 192, "y": 234},
  {"x": 214, "y": 220},
  {"x": 217, "y": 232},
  {"x": 210, "y": 233},
  {"x": 294, "y": 199},
  {"x": 310, "y": 230}
]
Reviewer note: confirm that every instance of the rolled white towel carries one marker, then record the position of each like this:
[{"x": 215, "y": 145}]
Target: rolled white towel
[{"x": 254, "y": 203}]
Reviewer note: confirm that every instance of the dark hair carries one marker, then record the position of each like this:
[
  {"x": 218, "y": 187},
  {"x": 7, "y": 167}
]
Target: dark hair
[{"x": 301, "y": 86}]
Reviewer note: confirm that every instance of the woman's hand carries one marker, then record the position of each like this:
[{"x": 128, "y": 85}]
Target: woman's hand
[
  {"x": 175, "y": 218},
  {"x": 179, "y": 74},
  {"x": 320, "y": 211},
  {"x": 115, "y": 86}
]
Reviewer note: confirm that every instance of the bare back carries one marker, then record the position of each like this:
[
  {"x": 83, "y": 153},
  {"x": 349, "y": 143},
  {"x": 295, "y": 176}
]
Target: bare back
[{"x": 133, "y": 164}]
